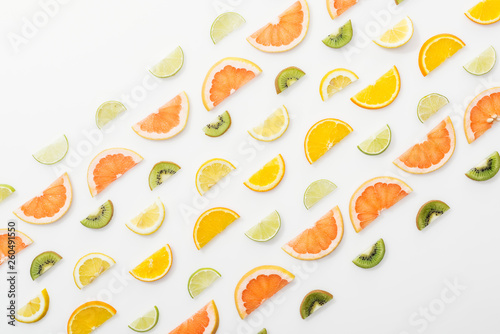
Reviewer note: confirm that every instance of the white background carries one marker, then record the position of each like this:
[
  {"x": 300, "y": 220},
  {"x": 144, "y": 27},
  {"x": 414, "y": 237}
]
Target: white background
[{"x": 93, "y": 51}]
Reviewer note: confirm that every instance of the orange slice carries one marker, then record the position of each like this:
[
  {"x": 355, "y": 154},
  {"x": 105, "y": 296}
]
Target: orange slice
[
  {"x": 268, "y": 177},
  {"x": 485, "y": 12},
  {"x": 320, "y": 240},
  {"x": 436, "y": 50},
  {"x": 155, "y": 266},
  {"x": 89, "y": 316},
  {"x": 481, "y": 113},
  {"x": 322, "y": 136},
  {"x": 285, "y": 32},
  {"x": 205, "y": 321},
  {"x": 382, "y": 93},
  {"x": 432, "y": 153},
  {"x": 211, "y": 223},
  {"x": 48, "y": 206},
  {"x": 226, "y": 77},
  {"x": 167, "y": 122},
  {"x": 108, "y": 166},
  {"x": 257, "y": 286},
  {"x": 374, "y": 196},
  {"x": 337, "y": 7},
  {"x": 21, "y": 241}
]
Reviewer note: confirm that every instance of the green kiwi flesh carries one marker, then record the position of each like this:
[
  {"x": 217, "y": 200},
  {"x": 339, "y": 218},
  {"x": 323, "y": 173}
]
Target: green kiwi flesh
[
  {"x": 372, "y": 256},
  {"x": 42, "y": 263},
  {"x": 218, "y": 126},
  {"x": 313, "y": 301},
  {"x": 100, "y": 217},
  {"x": 161, "y": 172},
  {"x": 287, "y": 77},
  {"x": 262, "y": 331},
  {"x": 429, "y": 212},
  {"x": 486, "y": 169},
  {"x": 341, "y": 37}
]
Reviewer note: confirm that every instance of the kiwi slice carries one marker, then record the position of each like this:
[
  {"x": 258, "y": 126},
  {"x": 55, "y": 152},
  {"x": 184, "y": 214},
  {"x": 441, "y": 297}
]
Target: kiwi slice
[
  {"x": 486, "y": 169},
  {"x": 429, "y": 212},
  {"x": 341, "y": 37},
  {"x": 161, "y": 172},
  {"x": 313, "y": 301},
  {"x": 100, "y": 217},
  {"x": 372, "y": 256},
  {"x": 287, "y": 77},
  {"x": 262, "y": 331},
  {"x": 218, "y": 126},
  {"x": 42, "y": 263}
]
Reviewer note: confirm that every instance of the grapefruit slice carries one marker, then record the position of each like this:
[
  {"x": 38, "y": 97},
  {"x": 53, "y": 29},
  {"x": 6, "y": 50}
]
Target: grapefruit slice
[
  {"x": 337, "y": 7},
  {"x": 285, "y": 32},
  {"x": 167, "y": 122},
  {"x": 258, "y": 285},
  {"x": 48, "y": 206},
  {"x": 226, "y": 77},
  {"x": 205, "y": 321},
  {"x": 432, "y": 153},
  {"x": 374, "y": 196},
  {"x": 108, "y": 166},
  {"x": 21, "y": 241},
  {"x": 481, "y": 113},
  {"x": 320, "y": 240}
]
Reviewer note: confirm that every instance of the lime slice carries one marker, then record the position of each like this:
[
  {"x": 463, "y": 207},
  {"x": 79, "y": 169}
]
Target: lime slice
[
  {"x": 170, "y": 65},
  {"x": 224, "y": 24},
  {"x": 5, "y": 191},
  {"x": 107, "y": 112},
  {"x": 54, "y": 152},
  {"x": 429, "y": 105},
  {"x": 377, "y": 143},
  {"x": 266, "y": 229},
  {"x": 147, "y": 321},
  {"x": 200, "y": 280},
  {"x": 483, "y": 63},
  {"x": 316, "y": 191}
]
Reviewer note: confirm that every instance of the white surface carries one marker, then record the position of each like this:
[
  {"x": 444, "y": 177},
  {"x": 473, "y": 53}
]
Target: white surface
[{"x": 93, "y": 51}]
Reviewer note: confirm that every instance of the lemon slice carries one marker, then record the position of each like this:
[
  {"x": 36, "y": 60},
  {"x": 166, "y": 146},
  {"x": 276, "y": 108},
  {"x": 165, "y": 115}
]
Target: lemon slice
[
  {"x": 268, "y": 177},
  {"x": 107, "y": 112},
  {"x": 273, "y": 127},
  {"x": 224, "y": 24},
  {"x": 147, "y": 321},
  {"x": 266, "y": 229},
  {"x": 316, "y": 191},
  {"x": 377, "y": 143},
  {"x": 54, "y": 152},
  {"x": 334, "y": 81},
  {"x": 210, "y": 173},
  {"x": 200, "y": 280},
  {"x": 483, "y": 63},
  {"x": 5, "y": 191},
  {"x": 397, "y": 36},
  {"x": 429, "y": 105},
  {"x": 149, "y": 220},
  {"x": 35, "y": 309},
  {"x": 169, "y": 65},
  {"x": 89, "y": 267},
  {"x": 155, "y": 266}
]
